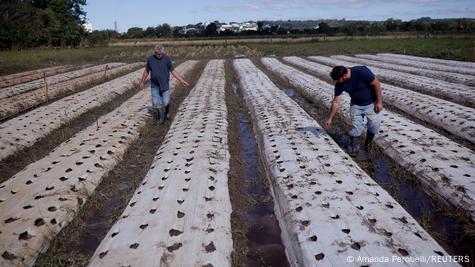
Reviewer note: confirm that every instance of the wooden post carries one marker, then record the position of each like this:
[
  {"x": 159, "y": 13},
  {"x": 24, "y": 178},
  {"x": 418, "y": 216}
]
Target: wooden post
[
  {"x": 105, "y": 71},
  {"x": 46, "y": 87}
]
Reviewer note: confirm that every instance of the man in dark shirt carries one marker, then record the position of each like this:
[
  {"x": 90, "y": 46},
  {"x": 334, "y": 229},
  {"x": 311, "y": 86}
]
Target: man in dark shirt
[
  {"x": 366, "y": 101},
  {"x": 160, "y": 65}
]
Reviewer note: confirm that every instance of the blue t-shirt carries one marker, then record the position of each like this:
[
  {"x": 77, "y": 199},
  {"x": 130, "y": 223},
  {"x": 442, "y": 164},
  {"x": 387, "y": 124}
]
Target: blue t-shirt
[
  {"x": 358, "y": 86},
  {"x": 160, "y": 71}
]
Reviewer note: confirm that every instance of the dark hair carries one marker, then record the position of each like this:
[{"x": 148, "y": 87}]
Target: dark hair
[{"x": 338, "y": 72}]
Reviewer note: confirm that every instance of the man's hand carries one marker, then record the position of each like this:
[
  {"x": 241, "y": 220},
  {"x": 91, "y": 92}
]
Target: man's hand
[
  {"x": 379, "y": 107},
  {"x": 141, "y": 85},
  {"x": 185, "y": 83},
  {"x": 327, "y": 123}
]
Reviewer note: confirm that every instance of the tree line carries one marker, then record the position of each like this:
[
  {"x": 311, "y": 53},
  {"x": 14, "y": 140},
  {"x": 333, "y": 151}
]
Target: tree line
[
  {"x": 34, "y": 23},
  {"x": 282, "y": 28},
  {"x": 59, "y": 23}
]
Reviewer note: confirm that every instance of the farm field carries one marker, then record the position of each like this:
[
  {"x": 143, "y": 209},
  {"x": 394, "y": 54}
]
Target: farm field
[{"x": 243, "y": 173}]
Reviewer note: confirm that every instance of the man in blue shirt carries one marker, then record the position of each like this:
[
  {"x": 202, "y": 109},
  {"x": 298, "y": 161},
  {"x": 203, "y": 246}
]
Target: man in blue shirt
[
  {"x": 160, "y": 65},
  {"x": 366, "y": 101}
]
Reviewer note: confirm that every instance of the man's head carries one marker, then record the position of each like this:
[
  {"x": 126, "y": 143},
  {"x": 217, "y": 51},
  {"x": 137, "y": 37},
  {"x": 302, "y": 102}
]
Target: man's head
[
  {"x": 339, "y": 74},
  {"x": 159, "y": 50}
]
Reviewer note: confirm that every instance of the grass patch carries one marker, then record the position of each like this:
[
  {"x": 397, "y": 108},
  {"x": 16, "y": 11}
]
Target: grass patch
[
  {"x": 446, "y": 48},
  {"x": 28, "y": 59}
]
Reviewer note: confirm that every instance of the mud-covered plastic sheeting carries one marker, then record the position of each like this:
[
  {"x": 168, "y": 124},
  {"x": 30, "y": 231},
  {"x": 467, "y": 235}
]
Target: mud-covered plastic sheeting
[
  {"x": 37, "y": 202},
  {"x": 454, "y": 118},
  {"x": 23, "y": 77},
  {"x": 330, "y": 211},
  {"x": 459, "y": 93},
  {"x": 445, "y": 62},
  {"x": 26, "y": 129},
  {"x": 25, "y": 87},
  {"x": 181, "y": 213},
  {"x": 18, "y": 103},
  {"x": 443, "y": 167},
  {"x": 451, "y": 75}
]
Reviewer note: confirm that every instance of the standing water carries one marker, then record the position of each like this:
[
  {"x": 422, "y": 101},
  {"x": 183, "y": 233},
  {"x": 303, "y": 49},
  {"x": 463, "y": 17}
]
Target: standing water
[{"x": 264, "y": 243}]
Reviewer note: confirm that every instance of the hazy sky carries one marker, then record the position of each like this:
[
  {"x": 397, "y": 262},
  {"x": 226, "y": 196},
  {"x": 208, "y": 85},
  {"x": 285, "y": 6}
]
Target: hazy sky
[{"x": 144, "y": 13}]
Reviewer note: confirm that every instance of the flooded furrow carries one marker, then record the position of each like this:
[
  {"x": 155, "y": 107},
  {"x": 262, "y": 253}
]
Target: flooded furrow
[{"x": 262, "y": 231}]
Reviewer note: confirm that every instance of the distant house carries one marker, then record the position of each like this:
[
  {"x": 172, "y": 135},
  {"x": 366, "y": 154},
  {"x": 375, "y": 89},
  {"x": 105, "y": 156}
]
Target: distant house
[
  {"x": 248, "y": 26},
  {"x": 229, "y": 27},
  {"x": 87, "y": 26}
]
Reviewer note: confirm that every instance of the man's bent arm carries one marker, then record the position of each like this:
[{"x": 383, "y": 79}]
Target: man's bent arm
[
  {"x": 379, "y": 95},
  {"x": 179, "y": 78},
  {"x": 335, "y": 104},
  {"x": 144, "y": 77}
]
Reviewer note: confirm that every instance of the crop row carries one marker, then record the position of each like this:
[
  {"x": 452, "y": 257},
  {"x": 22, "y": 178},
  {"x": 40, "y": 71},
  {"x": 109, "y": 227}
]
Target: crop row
[
  {"x": 327, "y": 207},
  {"x": 454, "y": 92},
  {"x": 445, "y": 62},
  {"x": 23, "y": 77},
  {"x": 181, "y": 213},
  {"x": 40, "y": 200},
  {"x": 456, "y": 119},
  {"x": 18, "y": 103},
  {"x": 444, "y": 167},
  {"x": 58, "y": 78},
  {"x": 459, "y": 79}
]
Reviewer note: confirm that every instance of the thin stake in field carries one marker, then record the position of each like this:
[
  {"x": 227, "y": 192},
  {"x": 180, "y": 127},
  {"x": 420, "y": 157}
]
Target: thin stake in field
[{"x": 46, "y": 86}]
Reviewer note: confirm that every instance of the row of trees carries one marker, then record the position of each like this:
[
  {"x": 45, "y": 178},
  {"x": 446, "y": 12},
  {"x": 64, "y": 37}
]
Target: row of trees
[
  {"x": 59, "y": 23},
  {"x": 426, "y": 25},
  {"x": 36, "y": 23}
]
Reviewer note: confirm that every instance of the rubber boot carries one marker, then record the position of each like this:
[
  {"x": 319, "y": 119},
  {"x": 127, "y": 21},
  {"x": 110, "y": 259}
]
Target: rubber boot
[
  {"x": 161, "y": 114},
  {"x": 167, "y": 112},
  {"x": 354, "y": 145},
  {"x": 368, "y": 143}
]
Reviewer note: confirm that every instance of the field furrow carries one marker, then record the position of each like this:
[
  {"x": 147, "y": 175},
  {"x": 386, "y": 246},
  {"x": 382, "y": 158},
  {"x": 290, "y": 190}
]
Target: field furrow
[
  {"x": 40, "y": 83},
  {"x": 458, "y": 93},
  {"x": 15, "y": 104},
  {"x": 444, "y": 167},
  {"x": 180, "y": 215},
  {"x": 454, "y": 118},
  {"x": 444, "y": 62},
  {"x": 450, "y": 71},
  {"x": 40, "y": 200},
  {"x": 327, "y": 207}
]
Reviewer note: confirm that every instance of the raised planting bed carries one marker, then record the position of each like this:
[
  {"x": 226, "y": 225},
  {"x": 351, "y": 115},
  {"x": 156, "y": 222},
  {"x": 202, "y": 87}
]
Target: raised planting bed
[
  {"x": 40, "y": 83},
  {"x": 444, "y": 167},
  {"x": 454, "y": 118},
  {"x": 181, "y": 213},
  {"x": 330, "y": 211},
  {"x": 458, "y": 93},
  {"x": 40, "y": 200},
  {"x": 18, "y": 103}
]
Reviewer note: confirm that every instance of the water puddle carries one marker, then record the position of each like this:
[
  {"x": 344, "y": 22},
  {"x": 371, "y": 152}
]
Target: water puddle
[{"x": 263, "y": 233}]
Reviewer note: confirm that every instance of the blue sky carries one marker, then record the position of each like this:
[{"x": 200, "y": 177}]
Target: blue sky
[{"x": 144, "y": 13}]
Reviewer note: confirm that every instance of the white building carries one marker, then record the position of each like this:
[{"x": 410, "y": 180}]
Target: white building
[
  {"x": 87, "y": 26},
  {"x": 248, "y": 26}
]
